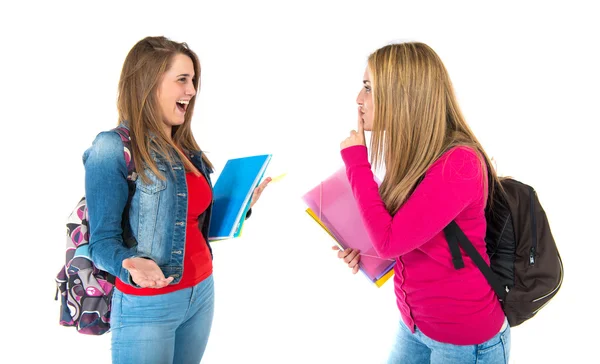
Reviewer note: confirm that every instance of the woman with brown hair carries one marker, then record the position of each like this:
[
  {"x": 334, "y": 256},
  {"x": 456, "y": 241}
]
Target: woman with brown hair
[{"x": 151, "y": 232}]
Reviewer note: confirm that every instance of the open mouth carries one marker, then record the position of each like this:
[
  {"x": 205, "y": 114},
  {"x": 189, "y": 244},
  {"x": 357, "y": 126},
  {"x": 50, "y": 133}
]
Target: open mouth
[{"x": 182, "y": 105}]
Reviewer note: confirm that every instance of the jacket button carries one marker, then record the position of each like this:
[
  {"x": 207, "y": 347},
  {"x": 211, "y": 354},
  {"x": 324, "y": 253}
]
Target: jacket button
[
  {"x": 181, "y": 194},
  {"x": 180, "y": 223}
]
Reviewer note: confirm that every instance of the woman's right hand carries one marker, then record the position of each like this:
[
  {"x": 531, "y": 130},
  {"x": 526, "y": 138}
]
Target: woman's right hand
[
  {"x": 350, "y": 256},
  {"x": 146, "y": 273}
]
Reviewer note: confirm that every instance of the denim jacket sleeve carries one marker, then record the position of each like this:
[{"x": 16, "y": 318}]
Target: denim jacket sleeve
[{"x": 106, "y": 192}]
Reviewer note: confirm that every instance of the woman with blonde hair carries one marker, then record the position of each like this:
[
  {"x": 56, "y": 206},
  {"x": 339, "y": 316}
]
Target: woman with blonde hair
[
  {"x": 151, "y": 232},
  {"x": 435, "y": 172}
]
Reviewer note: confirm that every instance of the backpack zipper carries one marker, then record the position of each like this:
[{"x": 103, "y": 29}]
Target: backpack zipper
[
  {"x": 533, "y": 227},
  {"x": 533, "y": 250},
  {"x": 555, "y": 288}
]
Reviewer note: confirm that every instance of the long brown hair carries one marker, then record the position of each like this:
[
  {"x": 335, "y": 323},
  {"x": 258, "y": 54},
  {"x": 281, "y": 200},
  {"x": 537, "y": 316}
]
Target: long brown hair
[
  {"x": 416, "y": 118},
  {"x": 138, "y": 105}
]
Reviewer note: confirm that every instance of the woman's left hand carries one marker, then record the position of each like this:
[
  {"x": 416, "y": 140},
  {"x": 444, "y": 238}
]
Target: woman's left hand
[
  {"x": 259, "y": 190},
  {"x": 356, "y": 137}
]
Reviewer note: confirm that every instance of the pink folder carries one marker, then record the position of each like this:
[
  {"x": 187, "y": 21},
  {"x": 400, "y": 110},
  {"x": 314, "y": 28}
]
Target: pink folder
[{"x": 333, "y": 204}]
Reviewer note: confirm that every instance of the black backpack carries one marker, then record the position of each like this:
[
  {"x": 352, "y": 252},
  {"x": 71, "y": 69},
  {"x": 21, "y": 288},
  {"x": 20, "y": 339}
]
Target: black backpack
[{"x": 525, "y": 270}]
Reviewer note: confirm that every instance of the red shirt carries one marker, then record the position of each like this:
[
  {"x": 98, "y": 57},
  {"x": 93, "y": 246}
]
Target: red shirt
[
  {"x": 452, "y": 306},
  {"x": 197, "y": 262}
]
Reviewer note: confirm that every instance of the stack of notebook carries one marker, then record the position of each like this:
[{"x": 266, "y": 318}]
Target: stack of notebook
[{"x": 332, "y": 205}]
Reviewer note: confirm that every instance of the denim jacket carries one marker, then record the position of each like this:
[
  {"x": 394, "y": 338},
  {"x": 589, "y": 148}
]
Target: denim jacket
[{"x": 157, "y": 212}]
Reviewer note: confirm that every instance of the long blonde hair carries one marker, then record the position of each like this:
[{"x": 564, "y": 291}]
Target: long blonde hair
[
  {"x": 416, "y": 118},
  {"x": 138, "y": 105}
]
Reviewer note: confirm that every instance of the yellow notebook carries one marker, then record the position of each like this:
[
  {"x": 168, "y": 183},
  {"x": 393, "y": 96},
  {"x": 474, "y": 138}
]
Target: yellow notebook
[{"x": 378, "y": 282}]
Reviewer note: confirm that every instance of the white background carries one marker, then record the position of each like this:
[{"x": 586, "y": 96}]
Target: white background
[{"x": 282, "y": 78}]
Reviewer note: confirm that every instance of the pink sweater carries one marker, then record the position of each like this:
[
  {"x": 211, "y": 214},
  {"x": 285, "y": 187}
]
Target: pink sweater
[{"x": 451, "y": 306}]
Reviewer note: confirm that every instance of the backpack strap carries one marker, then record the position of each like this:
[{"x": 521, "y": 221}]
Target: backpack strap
[
  {"x": 457, "y": 259},
  {"x": 455, "y": 236},
  {"x": 128, "y": 237},
  {"x": 126, "y": 139}
]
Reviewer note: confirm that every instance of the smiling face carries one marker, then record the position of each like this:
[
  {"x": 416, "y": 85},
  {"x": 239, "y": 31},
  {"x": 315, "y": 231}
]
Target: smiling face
[
  {"x": 176, "y": 90},
  {"x": 365, "y": 102}
]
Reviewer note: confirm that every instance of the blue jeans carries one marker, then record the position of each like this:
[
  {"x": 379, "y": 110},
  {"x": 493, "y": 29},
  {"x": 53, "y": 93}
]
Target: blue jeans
[
  {"x": 167, "y": 328},
  {"x": 418, "y": 349}
]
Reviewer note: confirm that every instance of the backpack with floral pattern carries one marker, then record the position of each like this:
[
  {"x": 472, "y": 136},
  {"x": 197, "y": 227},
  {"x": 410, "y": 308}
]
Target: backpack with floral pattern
[{"x": 85, "y": 290}]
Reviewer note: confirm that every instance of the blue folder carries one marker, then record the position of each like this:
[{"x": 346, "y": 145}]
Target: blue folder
[{"x": 232, "y": 195}]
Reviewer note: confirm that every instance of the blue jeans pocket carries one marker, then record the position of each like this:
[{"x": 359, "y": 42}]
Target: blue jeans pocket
[{"x": 496, "y": 350}]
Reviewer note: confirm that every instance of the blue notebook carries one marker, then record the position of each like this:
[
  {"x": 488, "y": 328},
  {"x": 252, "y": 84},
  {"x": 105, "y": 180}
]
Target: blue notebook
[{"x": 232, "y": 195}]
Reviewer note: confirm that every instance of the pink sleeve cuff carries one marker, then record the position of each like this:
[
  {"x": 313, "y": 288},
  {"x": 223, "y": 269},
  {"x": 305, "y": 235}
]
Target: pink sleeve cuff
[{"x": 355, "y": 155}]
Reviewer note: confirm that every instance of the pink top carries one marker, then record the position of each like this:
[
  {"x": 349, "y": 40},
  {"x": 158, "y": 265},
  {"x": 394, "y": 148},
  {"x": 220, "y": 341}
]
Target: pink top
[{"x": 448, "y": 305}]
